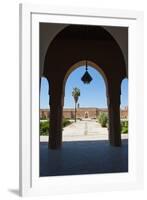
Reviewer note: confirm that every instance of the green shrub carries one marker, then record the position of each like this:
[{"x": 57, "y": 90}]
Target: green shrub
[
  {"x": 103, "y": 119},
  {"x": 124, "y": 126},
  {"x": 44, "y": 128},
  {"x": 124, "y": 130},
  {"x": 66, "y": 122}
]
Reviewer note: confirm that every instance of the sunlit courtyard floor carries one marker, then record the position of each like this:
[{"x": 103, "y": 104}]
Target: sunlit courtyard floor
[
  {"x": 84, "y": 130},
  {"x": 85, "y": 150}
]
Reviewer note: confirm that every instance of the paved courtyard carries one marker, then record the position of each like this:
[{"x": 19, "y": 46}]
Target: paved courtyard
[
  {"x": 84, "y": 130},
  {"x": 85, "y": 150}
]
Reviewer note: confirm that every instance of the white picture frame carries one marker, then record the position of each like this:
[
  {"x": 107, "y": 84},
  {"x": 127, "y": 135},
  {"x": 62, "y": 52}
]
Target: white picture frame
[{"x": 30, "y": 182}]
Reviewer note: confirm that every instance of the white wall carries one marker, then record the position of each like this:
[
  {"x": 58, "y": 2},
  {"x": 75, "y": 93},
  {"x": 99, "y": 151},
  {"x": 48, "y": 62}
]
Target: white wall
[{"x": 9, "y": 103}]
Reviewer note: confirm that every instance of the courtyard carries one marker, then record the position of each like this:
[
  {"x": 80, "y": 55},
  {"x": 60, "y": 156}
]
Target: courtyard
[{"x": 84, "y": 130}]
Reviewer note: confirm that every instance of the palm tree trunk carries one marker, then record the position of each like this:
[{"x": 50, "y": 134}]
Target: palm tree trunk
[{"x": 75, "y": 111}]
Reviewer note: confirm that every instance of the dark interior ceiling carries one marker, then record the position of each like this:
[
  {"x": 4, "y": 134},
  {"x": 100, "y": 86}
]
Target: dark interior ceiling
[{"x": 84, "y": 32}]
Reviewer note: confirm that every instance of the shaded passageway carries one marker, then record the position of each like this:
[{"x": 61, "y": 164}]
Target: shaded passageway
[{"x": 83, "y": 157}]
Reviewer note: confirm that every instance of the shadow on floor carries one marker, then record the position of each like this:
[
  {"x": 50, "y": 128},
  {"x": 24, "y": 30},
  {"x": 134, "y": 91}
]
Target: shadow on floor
[{"x": 83, "y": 157}]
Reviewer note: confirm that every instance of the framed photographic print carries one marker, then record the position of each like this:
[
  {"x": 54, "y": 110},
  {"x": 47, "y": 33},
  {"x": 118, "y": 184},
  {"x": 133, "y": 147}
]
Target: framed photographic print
[{"x": 81, "y": 115}]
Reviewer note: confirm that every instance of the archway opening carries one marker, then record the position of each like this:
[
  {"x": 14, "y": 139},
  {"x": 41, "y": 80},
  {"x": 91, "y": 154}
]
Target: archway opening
[
  {"x": 91, "y": 107},
  {"x": 124, "y": 106},
  {"x": 44, "y": 107}
]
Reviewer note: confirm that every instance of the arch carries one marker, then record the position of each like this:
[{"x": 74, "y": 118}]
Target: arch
[
  {"x": 73, "y": 45},
  {"x": 44, "y": 90},
  {"x": 49, "y": 31},
  {"x": 98, "y": 82},
  {"x": 82, "y": 63},
  {"x": 124, "y": 92},
  {"x": 44, "y": 98},
  {"x": 124, "y": 99},
  {"x": 92, "y": 98},
  {"x": 88, "y": 46}
]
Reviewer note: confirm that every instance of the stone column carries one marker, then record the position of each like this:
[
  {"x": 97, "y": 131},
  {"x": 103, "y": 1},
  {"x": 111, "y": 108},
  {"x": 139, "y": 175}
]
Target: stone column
[
  {"x": 56, "y": 112},
  {"x": 114, "y": 114}
]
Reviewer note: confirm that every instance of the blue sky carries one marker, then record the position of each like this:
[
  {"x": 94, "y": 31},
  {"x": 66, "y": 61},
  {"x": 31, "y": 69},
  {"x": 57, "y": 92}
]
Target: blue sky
[{"x": 92, "y": 95}]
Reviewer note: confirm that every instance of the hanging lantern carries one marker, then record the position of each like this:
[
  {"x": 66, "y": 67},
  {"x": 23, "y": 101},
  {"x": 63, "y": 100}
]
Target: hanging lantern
[{"x": 86, "y": 78}]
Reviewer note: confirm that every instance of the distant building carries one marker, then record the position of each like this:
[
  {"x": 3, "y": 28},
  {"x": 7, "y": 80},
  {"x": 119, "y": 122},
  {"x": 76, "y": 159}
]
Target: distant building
[{"x": 82, "y": 113}]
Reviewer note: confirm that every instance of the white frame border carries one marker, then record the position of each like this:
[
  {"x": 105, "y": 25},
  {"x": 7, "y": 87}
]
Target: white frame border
[{"x": 30, "y": 184}]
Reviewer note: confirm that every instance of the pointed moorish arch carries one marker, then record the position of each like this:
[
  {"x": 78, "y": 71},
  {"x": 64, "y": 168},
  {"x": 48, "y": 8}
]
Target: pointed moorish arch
[
  {"x": 74, "y": 44},
  {"x": 82, "y": 63}
]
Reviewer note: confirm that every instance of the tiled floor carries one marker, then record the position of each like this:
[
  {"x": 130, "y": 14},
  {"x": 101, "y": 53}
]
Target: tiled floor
[{"x": 83, "y": 157}]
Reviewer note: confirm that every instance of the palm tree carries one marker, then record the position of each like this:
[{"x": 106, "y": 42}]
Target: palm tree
[{"x": 76, "y": 94}]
